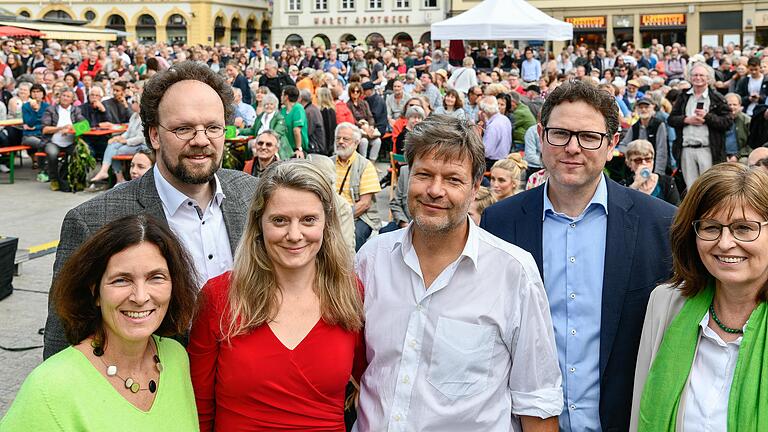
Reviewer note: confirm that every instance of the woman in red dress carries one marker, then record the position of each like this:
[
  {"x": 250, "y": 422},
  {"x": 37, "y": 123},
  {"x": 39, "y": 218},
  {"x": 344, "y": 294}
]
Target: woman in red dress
[{"x": 277, "y": 339}]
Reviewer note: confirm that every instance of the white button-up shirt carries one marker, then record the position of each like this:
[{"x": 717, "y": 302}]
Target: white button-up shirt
[
  {"x": 203, "y": 233},
  {"x": 709, "y": 387},
  {"x": 468, "y": 353}
]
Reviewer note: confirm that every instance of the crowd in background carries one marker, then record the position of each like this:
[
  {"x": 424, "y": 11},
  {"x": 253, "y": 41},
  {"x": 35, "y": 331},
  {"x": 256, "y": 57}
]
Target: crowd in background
[{"x": 301, "y": 94}]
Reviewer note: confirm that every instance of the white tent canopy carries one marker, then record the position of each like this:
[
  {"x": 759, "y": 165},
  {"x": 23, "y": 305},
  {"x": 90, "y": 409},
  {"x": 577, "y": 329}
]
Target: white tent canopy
[{"x": 502, "y": 20}]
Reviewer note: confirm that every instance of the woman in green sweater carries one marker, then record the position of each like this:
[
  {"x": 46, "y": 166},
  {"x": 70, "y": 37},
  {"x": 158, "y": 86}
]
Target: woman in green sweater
[{"x": 119, "y": 296}]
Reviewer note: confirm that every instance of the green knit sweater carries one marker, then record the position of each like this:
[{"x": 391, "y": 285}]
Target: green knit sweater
[{"x": 66, "y": 393}]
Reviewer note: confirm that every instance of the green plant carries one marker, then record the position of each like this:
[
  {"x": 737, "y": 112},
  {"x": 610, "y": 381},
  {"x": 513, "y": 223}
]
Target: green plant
[
  {"x": 80, "y": 163},
  {"x": 229, "y": 161}
]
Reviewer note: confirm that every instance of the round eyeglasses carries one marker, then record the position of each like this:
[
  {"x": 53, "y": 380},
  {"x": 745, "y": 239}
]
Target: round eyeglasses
[
  {"x": 588, "y": 140},
  {"x": 711, "y": 230},
  {"x": 187, "y": 132}
]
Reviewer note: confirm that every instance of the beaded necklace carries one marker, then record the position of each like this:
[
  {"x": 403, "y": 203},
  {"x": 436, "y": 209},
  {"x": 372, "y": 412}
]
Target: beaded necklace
[
  {"x": 722, "y": 326},
  {"x": 129, "y": 382}
]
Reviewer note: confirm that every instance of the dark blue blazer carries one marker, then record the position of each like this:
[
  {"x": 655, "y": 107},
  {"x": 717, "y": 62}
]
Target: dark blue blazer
[{"x": 637, "y": 258}]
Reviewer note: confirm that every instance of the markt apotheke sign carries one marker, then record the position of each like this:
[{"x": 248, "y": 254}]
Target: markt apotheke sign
[{"x": 374, "y": 19}]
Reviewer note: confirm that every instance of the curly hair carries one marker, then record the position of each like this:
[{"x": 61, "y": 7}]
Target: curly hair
[{"x": 156, "y": 87}]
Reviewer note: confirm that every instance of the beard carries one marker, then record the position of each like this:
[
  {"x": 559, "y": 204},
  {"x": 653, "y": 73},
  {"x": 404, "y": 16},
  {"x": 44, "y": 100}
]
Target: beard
[
  {"x": 345, "y": 153},
  {"x": 181, "y": 171},
  {"x": 453, "y": 218}
]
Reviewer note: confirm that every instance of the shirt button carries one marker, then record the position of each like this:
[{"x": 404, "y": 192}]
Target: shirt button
[
  {"x": 573, "y": 295},
  {"x": 397, "y": 417},
  {"x": 413, "y": 343},
  {"x": 573, "y": 332},
  {"x": 572, "y": 406},
  {"x": 189, "y": 203},
  {"x": 573, "y": 225},
  {"x": 210, "y": 256},
  {"x": 573, "y": 259},
  {"x": 406, "y": 380},
  {"x": 203, "y": 222},
  {"x": 419, "y": 308},
  {"x": 572, "y": 370}
]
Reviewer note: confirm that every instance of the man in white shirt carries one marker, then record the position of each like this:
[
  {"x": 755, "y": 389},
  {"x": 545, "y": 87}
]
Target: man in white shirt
[{"x": 458, "y": 335}]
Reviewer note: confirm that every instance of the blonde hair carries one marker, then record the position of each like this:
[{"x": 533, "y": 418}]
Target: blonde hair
[
  {"x": 484, "y": 199},
  {"x": 514, "y": 164},
  {"x": 325, "y": 98},
  {"x": 495, "y": 89},
  {"x": 253, "y": 292}
]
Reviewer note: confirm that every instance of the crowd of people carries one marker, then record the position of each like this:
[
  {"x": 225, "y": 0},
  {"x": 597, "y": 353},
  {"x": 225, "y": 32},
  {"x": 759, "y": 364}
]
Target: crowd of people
[{"x": 515, "y": 285}]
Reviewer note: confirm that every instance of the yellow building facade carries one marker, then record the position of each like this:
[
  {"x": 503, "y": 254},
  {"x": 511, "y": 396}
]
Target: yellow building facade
[
  {"x": 205, "y": 22},
  {"x": 692, "y": 23}
]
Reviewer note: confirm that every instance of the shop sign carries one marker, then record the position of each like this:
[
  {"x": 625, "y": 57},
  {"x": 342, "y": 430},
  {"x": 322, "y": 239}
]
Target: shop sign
[
  {"x": 375, "y": 19},
  {"x": 587, "y": 22},
  {"x": 623, "y": 21},
  {"x": 662, "y": 20}
]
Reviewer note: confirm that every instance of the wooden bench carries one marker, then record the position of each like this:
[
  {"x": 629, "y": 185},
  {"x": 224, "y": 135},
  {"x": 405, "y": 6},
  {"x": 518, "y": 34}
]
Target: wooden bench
[{"x": 11, "y": 151}]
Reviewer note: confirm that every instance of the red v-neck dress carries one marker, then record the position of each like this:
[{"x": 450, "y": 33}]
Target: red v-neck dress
[{"x": 257, "y": 384}]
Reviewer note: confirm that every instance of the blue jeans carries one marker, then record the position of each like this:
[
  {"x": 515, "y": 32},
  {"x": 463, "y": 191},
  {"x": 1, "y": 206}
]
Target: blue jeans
[
  {"x": 118, "y": 149},
  {"x": 362, "y": 232}
]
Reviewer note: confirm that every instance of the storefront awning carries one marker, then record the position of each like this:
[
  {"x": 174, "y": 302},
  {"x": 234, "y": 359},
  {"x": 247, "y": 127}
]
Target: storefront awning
[
  {"x": 64, "y": 32},
  {"x": 10, "y": 31}
]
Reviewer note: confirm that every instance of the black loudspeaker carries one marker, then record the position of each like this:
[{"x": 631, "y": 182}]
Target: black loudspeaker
[{"x": 8, "y": 246}]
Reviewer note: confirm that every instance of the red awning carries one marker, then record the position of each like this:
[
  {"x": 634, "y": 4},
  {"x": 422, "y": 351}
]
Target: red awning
[{"x": 9, "y": 31}]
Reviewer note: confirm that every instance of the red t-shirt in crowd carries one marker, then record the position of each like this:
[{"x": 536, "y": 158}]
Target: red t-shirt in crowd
[{"x": 257, "y": 384}]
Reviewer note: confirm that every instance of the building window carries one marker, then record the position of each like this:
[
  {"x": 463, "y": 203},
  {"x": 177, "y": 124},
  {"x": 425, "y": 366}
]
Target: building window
[
  {"x": 347, "y": 4},
  {"x": 402, "y": 4},
  {"x": 430, "y": 3},
  {"x": 321, "y": 5},
  {"x": 374, "y": 4},
  {"x": 295, "y": 5}
]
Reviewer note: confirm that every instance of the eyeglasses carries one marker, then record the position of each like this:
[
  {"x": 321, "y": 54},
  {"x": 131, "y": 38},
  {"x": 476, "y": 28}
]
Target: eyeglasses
[
  {"x": 639, "y": 160},
  {"x": 345, "y": 140},
  {"x": 588, "y": 140},
  {"x": 711, "y": 230},
  {"x": 187, "y": 133},
  {"x": 354, "y": 91},
  {"x": 265, "y": 144}
]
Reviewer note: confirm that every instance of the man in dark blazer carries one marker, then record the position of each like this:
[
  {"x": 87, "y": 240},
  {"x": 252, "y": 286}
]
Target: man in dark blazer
[
  {"x": 183, "y": 111},
  {"x": 600, "y": 248}
]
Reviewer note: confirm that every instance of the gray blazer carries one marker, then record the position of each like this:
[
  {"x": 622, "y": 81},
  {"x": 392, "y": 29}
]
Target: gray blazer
[{"x": 138, "y": 196}]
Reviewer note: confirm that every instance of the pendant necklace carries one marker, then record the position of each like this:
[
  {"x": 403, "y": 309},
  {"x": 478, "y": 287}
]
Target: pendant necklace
[{"x": 129, "y": 382}]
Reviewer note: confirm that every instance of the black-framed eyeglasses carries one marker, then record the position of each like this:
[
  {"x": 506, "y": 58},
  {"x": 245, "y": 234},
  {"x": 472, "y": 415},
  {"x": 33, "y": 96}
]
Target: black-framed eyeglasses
[
  {"x": 187, "y": 132},
  {"x": 588, "y": 140},
  {"x": 744, "y": 231}
]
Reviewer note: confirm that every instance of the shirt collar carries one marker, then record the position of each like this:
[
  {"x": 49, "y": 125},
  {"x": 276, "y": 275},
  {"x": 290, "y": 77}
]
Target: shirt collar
[
  {"x": 471, "y": 246},
  {"x": 703, "y": 95},
  {"x": 711, "y": 334},
  {"x": 172, "y": 198},
  {"x": 600, "y": 198}
]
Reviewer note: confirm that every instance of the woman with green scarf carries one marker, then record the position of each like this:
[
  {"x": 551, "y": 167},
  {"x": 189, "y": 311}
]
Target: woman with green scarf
[{"x": 704, "y": 353}]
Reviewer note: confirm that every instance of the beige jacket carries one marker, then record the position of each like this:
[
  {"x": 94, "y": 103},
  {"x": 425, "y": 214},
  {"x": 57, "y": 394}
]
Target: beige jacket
[{"x": 663, "y": 306}]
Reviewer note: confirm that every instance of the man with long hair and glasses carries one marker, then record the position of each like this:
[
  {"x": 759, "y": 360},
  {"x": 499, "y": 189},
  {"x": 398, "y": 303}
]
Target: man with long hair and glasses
[
  {"x": 600, "y": 248},
  {"x": 183, "y": 111}
]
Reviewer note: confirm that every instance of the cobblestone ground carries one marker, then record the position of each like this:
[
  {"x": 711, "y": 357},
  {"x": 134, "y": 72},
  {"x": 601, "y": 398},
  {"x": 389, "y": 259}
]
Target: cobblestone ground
[{"x": 31, "y": 212}]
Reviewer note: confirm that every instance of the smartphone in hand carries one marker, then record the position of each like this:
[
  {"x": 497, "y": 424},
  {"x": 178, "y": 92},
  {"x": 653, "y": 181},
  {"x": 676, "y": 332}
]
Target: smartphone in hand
[{"x": 700, "y": 105}]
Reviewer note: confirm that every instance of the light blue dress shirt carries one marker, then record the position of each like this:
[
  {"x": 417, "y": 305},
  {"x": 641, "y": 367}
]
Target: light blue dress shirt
[{"x": 574, "y": 257}]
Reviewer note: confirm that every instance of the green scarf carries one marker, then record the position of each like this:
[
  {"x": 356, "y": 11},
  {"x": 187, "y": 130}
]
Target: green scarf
[{"x": 748, "y": 401}]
